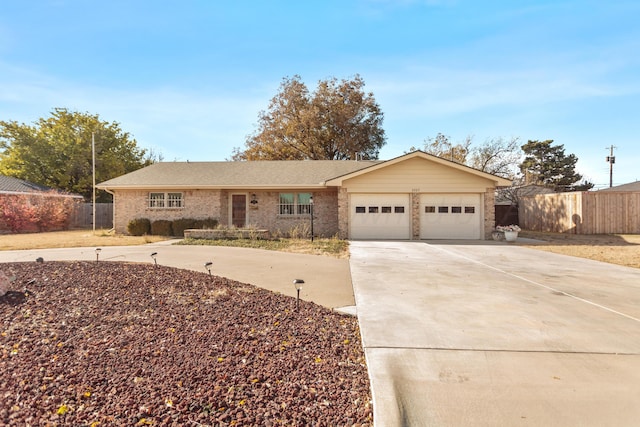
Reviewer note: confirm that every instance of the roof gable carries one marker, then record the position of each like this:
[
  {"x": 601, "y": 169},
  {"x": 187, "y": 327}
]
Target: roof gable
[{"x": 498, "y": 181}]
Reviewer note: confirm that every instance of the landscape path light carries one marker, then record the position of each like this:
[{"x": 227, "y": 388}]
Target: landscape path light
[
  {"x": 98, "y": 254},
  {"x": 208, "y": 265},
  {"x": 298, "y": 284},
  {"x": 154, "y": 255}
]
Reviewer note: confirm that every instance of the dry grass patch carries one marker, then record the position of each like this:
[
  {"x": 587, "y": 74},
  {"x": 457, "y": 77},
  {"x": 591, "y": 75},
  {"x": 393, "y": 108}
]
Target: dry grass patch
[
  {"x": 72, "y": 239},
  {"x": 332, "y": 247},
  {"x": 621, "y": 249}
]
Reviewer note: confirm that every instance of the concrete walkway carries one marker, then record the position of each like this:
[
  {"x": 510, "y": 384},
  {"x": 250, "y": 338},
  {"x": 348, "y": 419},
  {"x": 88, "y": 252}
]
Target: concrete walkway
[
  {"x": 491, "y": 334},
  {"x": 327, "y": 280}
]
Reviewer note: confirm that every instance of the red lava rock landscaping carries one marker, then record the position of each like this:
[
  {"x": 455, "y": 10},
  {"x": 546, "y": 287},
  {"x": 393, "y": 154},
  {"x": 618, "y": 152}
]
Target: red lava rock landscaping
[{"x": 106, "y": 343}]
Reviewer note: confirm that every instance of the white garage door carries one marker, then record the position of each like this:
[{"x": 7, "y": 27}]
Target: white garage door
[
  {"x": 450, "y": 216},
  {"x": 379, "y": 216}
]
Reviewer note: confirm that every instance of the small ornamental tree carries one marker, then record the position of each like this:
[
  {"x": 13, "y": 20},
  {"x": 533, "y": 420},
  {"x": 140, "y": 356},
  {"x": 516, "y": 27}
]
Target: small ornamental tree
[
  {"x": 53, "y": 212},
  {"x": 16, "y": 212},
  {"x": 28, "y": 212}
]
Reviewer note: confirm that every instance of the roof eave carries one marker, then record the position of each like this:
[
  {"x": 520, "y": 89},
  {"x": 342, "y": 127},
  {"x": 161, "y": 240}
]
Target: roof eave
[{"x": 207, "y": 187}]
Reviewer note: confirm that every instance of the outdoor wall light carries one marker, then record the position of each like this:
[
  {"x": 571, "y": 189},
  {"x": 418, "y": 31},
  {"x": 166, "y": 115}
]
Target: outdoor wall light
[
  {"x": 254, "y": 199},
  {"x": 208, "y": 265},
  {"x": 98, "y": 250},
  {"x": 154, "y": 255},
  {"x": 298, "y": 284}
]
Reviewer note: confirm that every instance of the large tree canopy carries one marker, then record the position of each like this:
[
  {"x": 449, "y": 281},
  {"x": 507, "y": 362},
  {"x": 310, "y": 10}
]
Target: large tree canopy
[
  {"x": 442, "y": 146},
  {"x": 496, "y": 156},
  {"x": 56, "y": 151},
  {"x": 338, "y": 121},
  {"x": 548, "y": 165}
]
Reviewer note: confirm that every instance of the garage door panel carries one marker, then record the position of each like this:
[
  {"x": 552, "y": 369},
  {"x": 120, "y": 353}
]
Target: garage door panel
[
  {"x": 379, "y": 216},
  {"x": 450, "y": 216}
]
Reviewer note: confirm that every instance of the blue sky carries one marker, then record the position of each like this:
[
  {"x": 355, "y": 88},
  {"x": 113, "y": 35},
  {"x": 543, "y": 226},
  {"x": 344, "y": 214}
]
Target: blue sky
[{"x": 188, "y": 79}]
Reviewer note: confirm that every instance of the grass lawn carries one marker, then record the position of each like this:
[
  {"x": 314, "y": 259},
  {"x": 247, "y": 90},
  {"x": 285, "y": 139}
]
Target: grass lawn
[
  {"x": 621, "y": 249},
  {"x": 71, "y": 239},
  {"x": 329, "y": 247},
  {"x": 87, "y": 238}
]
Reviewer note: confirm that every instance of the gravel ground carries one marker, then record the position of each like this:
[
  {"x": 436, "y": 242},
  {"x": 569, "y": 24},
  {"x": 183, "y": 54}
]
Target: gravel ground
[{"x": 97, "y": 344}]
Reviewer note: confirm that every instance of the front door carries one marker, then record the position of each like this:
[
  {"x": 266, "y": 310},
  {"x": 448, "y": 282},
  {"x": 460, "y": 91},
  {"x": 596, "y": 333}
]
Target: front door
[{"x": 238, "y": 210}]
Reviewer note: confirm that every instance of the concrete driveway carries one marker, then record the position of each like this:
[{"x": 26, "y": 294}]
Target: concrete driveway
[{"x": 492, "y": 334}]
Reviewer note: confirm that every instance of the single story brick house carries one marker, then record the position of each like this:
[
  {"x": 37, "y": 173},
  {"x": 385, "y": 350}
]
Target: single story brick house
[{"x": 414, "y": 196}]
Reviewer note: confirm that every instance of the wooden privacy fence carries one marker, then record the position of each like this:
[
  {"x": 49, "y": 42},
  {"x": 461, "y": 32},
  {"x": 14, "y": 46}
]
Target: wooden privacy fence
[
  {"x": 82, "y": 216},
  {"x": 589, "y": 212}
]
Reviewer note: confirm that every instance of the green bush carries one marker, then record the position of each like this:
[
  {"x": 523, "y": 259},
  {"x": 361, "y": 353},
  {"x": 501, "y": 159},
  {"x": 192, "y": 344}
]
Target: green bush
[
  {"x": 209, "y": 223},
  {"x": 139, "y": 227},
  {"x": 179, "y": 225},
  {"x": 161, "y": 227}
]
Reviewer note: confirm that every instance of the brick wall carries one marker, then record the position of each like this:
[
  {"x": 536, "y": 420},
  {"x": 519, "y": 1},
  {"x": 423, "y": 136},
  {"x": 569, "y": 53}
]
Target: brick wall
[
  {"x": 131, "y": 204},
  {"x": 415, "y": 215},
  {"x": 215, "y": 204},
  {"x": 265, "y": 214},
  {"x": 343, "y": 213},
  {"x": 489, "y": 212}
]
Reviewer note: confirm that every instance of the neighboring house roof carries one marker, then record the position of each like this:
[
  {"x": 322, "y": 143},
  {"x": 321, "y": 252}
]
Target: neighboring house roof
[
  {"x": 9, "y": 184},
  {"x": 264, "y": 174},
  {"x": 632, "y": 186}
]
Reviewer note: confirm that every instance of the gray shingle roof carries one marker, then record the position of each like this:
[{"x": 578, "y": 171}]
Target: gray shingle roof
[
  {"x": 632, "y": 186},
  {"x": 10, "y": 184},
  {"x": 255, "y": 174}
]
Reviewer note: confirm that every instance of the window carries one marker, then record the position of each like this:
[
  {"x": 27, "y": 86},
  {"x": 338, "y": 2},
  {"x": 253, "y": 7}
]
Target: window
[
  {"x": 294, "y": 204},
  {"x": 443, "y": 209},
  {"x": 386, "y": 209},
  {"x": 373, "y": 209},
  {"x": 429, "y": 209},
  {"x": 361, "y": 209},
  {"x": 174, "y": 200},
  {"x": 456, "y": 209},
  {"x": 398, "y": 209},
  {"x": 156, "y": 200},
  {"x": 165, "y": 200},
  {"x": 304, "y": 203},
  {"x": 469, "y": 209},
  {"x": 287, "y": 204}
]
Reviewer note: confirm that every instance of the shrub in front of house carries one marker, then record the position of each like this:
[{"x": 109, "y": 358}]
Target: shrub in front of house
[
  {"x": 139, "y": 227},
  {"x": 161, "y": 227},
  {"x": 179, "y": 225},
  {"x": 208, "y": 223}
]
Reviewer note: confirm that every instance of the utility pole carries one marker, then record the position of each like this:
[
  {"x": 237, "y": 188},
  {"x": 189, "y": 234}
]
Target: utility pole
[{"x": 611, "y": 159}]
